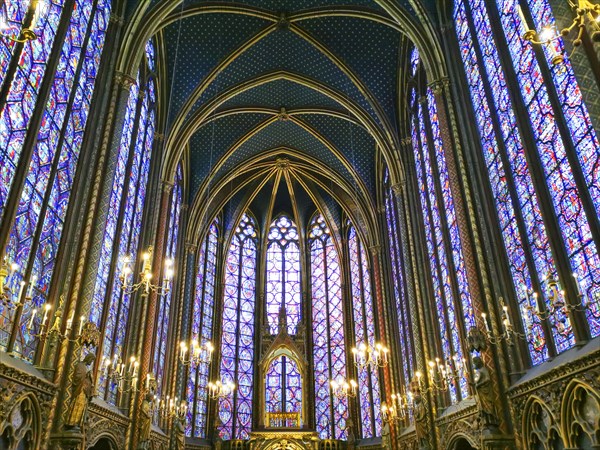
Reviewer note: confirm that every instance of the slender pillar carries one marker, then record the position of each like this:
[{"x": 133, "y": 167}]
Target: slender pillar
[
  {"x": 151, "y": 310},
  {"x": 471, "y": 248},
  {"x": 381, "y": 322},
  {"x": 78, "y": 303}
]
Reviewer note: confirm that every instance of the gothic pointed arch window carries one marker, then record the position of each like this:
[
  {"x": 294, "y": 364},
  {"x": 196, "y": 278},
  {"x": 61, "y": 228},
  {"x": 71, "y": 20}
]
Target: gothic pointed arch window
[
  {"x": 444, "y": 247},
  {"x": 121, "y": 239},
  {"x": 393, "y": 215},
  {"x": 237, "y": 339},
  {"x": 203, "y": 314},
  {"x": 55, "y": 132},
  {"x": 165, "y": 301},
  {"x": 283, "y": 274},
  {"x": 369, "y": 389},
  {"x": 329, "y": 348},
  {"x": 556, "y": 134}
]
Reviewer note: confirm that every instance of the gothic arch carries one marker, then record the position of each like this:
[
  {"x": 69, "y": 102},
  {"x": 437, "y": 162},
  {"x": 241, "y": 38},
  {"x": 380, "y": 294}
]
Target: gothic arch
[
  {"x": 540, "y": 425},
  {"x": 104, "y": 441},
  {"x": 23, "y": 424},
  {"x": 462, "y": 441},
  {"x": 580, "y": 413}
]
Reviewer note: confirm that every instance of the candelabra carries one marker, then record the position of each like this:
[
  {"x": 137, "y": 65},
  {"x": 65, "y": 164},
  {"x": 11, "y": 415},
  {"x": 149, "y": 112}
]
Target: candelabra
[
  {"x": 508, "y": 333},
  {"x": 6, "y": 294},
  {"x": 126, "y": 378},
  {"x": 38, "y": 9},
  {"x": 146, "y": 275},
  {"x": 440, "y": 374},
  {"x": 46, "y": 332},
  {"x": 170, "y": 407},
  {"x": 220, "y": 390},
  {"x": 586, "y": 14},
  {"x": 344, "y": 388},
  {"x": 374, "y": 356},
  {"x": 199, "y": 354}
]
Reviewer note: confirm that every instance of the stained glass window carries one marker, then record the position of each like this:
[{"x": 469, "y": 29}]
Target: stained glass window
[
  {"x": 17, "y": 112},
  {"x": 530, "y": 253},
  {"x": 283, "y": 386},
  {"x": 414, "y": 61},
  {"x": 329, "y": 349},
  {"x": 283, "y": 274},
  {"x": 110, "y": 303},
  {"x": 447, "y": 269},
  {"x": 202, "y": 331},
  {"x": 369, "y": 390},
  {"x": 164, "y": 306},
  {"x": 237, "y": 341},
  {"x": 36, "y": 233},
  {"x": 393, "y": 216}
]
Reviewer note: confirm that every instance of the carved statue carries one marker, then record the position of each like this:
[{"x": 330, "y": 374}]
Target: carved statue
[
  {"x": 145, "y": 422},
  {"x": 485, "y": 394},
  {"x": 420, "y": 414},
  {"x": 179, "y": 433},
  {"x": 386, "y": 437},
  {"x": 83, "y": 391}
]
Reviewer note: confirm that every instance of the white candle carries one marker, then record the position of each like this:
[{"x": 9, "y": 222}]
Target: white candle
[
  {"x": 33, "y": 313},
  {"x": 81, "y": 320},
  {"x": 577, "y": 285},
  {"x": 22, "y": 286},
  {"x": 484, "y": 317},
  {"x": 147, "y": 380},
  {"x": 70, "y": 321},
  {"x": 46, "y": 309},
  {"x": 505, "y": 309},
  {"x": 31, "y": 286}
]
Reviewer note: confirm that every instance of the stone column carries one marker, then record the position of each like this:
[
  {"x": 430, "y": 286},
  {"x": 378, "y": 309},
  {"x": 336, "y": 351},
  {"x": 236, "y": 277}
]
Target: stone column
[
  {"x": 383, "y": 326},
  {"x": 470, "y": 241},
  {"x": 151, "y": 311},
  {"x": 92, "y": 234}
]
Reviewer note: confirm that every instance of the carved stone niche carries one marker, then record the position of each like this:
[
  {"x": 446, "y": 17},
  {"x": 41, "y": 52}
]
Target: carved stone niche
[
  {"x": 560, "y": 407},
  {"x": 106, "y": 423},
  {"x": 25, "y": 403}
]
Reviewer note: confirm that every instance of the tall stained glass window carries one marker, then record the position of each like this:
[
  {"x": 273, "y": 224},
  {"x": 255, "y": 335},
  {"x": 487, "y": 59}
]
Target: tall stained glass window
[
  {"x": 518, "y": 192},
  {"x": 283, "y": 386},
  {"x": 36, "y": 233},
  {"x": 369, "y": 390},
  {"x": 202, "y": 331},
  {"x": 237, "y": 345},
  {"x": 110, "y": 303},
  {"x": 283, "y": 274},
  {"x": 393, "y": 216},
  {"x": 449, "y": 283},
  {"x": 164, "y": 307},
  {"x": 329, "y": 351}
]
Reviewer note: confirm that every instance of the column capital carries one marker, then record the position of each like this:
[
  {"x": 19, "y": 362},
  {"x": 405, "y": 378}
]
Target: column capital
[
  {"x": 406, "y": 141},
  {"x": 398, "y": 188},
  {"x": 438, "y": 86},
  {"x": 159, "y": 137},
  {"x": 167, "y": 186},
  {"x": 190, "y": 247},
  {"x": 115, "y": 18},
  {"x": 375, "y": 250},
  {"x": 124, "y": 80}
]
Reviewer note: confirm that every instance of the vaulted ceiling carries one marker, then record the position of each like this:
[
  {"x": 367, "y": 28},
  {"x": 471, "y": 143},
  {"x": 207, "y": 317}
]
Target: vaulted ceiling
[{"x": 307, "y": 89}]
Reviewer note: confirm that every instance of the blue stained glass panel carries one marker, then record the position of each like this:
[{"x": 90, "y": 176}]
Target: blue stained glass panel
[
  {"x": 202, "y": 332},
  {"x": 237, "y": 340},
  {"x": 329, "y": 350}
]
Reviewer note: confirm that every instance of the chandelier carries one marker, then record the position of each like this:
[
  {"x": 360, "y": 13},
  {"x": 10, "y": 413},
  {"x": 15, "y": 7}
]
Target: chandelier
[
  {"x": 37, "y": 9},
  {"x": 343, "y": 388},
  {"x": 199, "y": 354},
  {"x": 367, "y": 355},
  {"x": 219, "y": 389},
  {"x": 8, "y": 269},
  {"x": 587, "y": 14},
  {"x": 145, "y": 275}
]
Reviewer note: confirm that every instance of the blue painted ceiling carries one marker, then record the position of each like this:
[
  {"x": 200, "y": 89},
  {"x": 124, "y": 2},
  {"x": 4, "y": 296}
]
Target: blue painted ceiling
[{"x": 351, "y": 59}]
